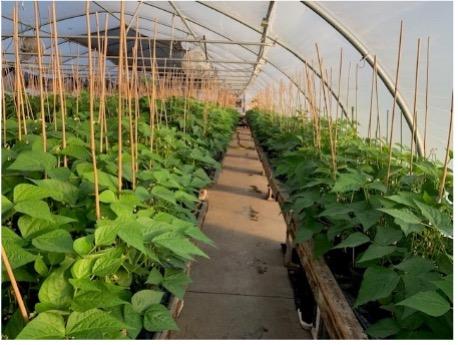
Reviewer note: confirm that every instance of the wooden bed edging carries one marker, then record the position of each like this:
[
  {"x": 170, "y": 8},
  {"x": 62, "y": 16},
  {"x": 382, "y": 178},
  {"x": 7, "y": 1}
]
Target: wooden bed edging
[
  {"x": 175, "y": 304},
  {"x": 337, "y": 314}
]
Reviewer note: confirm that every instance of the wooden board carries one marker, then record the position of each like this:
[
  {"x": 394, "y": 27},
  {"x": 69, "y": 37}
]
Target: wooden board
[{"x": 336, "y": 313}]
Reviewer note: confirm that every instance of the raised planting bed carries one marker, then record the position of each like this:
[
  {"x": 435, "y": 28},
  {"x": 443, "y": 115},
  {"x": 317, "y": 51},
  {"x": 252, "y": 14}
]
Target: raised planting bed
[
  {"x": 378, "y": 217},
  {"x": 175, "y": 304},
  {"x": 123, "y": 265},
  {"x": 338, "y": 317}
]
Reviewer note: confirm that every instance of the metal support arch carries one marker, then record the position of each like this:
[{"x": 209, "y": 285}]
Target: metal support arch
[
  {"x": 381, "y": 72},
  {"x": 284, "y": 46}
]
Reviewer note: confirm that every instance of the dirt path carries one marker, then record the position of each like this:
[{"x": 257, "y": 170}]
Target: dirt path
[{"x": 243, "y": 291}]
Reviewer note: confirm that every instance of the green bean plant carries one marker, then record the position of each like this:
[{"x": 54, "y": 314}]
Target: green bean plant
[{"x": 395, "y": 234}]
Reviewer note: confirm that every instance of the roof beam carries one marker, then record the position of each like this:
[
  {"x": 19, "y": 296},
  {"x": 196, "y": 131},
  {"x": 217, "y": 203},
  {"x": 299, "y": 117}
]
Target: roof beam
[
  {"x": 381, "y": 72},
  {"x": 266, "y": 23},
  {"x": 284, "y": 46}
]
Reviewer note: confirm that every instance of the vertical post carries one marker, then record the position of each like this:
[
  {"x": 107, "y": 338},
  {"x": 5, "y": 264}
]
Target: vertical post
[{"x": 390, "y": 146}]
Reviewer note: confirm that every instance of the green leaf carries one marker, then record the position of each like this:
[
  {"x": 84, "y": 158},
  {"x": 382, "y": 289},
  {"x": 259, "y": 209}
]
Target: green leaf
[
  {"x": 96, "y": 294},
  {"x": 157, "y": 318},
  {"x": 378, "y": 282},
  {"x": 383, "y": 328},
  {"x": 375, "y": 251},
  {"x": 107, "y": 197},
  {"x": 403, "y": 198},
  {"x": 176, "y": 281},
  {"x": 131, "y": 234},
  {"x": 47, "y": 325},
  {"x": 178, "y": 244},
  {"x": 197, "y": 234},
  {"x": 25, "y": 191},
  {"x": 76, "y": 151},
  {"x": 106, "y": 233},
  {"x": 56, "y": 290},
  {"x": 9, "y": 236},
  {"x": 57, "y": 241},
  {"x": 18, "y": 256},
  {"x": 34, "y": 208},
  {"x": 415, "y": 265},
  {"x": 31, "y": 227},
  {"x": 404, "y": 214},
  {"x": 40, "y": 267},
  {"x": 143, "y": 299},
  {"x": 14, "y": 326},
  {"x": 61, "y": 191},
  {"x": 408, "y": 228},
  {"x": 105, "y": 180},
  {"x": 33, "y": 161},
  {"x": 132, "y": 320},
  {"x": 446, "y": 286},
  {"x": 164, "y": 194},
  {"x": 305, "y": 200},
  {"x": 154, "y": 277},
  {"x": 439, "y": 220},
  {"x": 106, "y": 265},
  {"x": 354, "y": 240},
  {"x": 428, "y": 302},
  {"x": 349, "y": 182},
  {"x": 387, "y": 235},
  {"x": 82, "y": 268},
  {"x": 6, "y": 204},
  {"x": 93, "y": 324},
  {"x": 83, "y": 245}
]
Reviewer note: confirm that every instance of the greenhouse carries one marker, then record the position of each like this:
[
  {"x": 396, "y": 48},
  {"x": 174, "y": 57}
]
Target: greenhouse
[{"x": 227, "y": 170}]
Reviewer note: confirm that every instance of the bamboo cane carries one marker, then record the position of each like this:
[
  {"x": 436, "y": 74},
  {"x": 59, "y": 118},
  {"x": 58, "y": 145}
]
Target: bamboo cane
[
  {"x": 40, "y": 77},
  {"x": 426, "y": 98},
  {"x": 120, "y": 88},
  {"x": 14, "y": 284},
  {"x": 390, "y": 146},
  {"x": 18, "y": 86},
  {"x": 59, "y": 81},
  {"x": 374, "y": 76},
  {"x": 414, "y": 130},
  {"x": 331, "y": 141},
  {"x": 91, "y": 114},
  {"x": 447, "y": 153}
]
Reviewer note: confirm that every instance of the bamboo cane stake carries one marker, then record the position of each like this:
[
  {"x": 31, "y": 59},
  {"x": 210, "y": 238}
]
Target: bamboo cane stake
[
  {"x": 18, "y": 86},
  {"x": 347, "y": 98},
  {"x": 377, "y": 101},
  {"x": 4, "y": 115},
  {"x": 426, "y": 97},
  {"x": 102, "y": 107},
  {"x": 78, "y": 88},
  {"x": 331, "y": 141},
  {"x": 153, "y": 92},
  {"x": 412, "y": 140},
  {"x": 14, "y": 284},
  {"x": 390, "y": 146},
  {"x": 91, "y": 114},
  {"x": 59, "y": 82},
  {"x": 447, "y": 153},
  {"x": 374, "y": 76},
  {"x": 120, "y": 82},
  {"x": 40, "y": 77}
]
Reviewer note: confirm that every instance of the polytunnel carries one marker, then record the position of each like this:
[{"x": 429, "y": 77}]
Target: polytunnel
[{"x": 297, "y": 153}]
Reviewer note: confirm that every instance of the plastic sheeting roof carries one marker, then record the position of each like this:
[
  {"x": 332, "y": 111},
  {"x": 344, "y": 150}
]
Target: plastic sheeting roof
[{"x": 289, "y": 31}]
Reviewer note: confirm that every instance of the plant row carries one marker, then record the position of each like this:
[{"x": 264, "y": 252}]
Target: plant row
[
  {"x": 388, "y": 241},
  {"x": 83, "y": 278}
]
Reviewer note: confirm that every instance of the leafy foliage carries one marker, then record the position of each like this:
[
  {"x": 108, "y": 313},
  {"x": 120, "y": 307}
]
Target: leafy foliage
[
  {"x": 106, "y": 279},
  {"x": 397, "y": 235}
]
